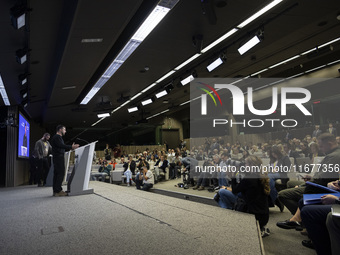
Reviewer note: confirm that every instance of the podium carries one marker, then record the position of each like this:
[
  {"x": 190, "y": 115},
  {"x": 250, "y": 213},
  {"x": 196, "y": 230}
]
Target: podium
[
  {"x": 49, "y": 179},
  {"x": 78, "y": 183}
]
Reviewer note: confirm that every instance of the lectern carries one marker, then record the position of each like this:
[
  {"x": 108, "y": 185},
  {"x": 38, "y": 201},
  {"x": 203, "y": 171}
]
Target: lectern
[{"x": 78, "y": 183}]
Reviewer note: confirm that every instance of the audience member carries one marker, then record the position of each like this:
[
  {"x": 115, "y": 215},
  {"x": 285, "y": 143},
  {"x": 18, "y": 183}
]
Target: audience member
[
  {"x": 254, "y": 190},
  {"x": 331, "y": 129},
  {"x": 129, "y": 170},
  {"x": 317, "y": 131}
]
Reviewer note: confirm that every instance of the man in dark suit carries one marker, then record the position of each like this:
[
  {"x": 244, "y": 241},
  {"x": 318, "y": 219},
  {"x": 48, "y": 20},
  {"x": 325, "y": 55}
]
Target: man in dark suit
[
  {"x": 331, "y": 129},
  {"x": 317, "y": 131}
]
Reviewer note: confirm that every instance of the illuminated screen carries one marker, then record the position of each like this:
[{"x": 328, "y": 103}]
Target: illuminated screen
[{"x": 23, "y": 137}]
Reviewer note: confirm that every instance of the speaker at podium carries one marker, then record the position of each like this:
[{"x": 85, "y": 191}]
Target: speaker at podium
[{"x": 78, "y": 182}]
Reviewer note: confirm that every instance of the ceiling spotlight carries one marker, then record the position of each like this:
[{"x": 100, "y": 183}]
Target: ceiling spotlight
[
  {"x": 18, "y": 16},
  {"x": 24, "y": 102},
  {"x": 103, "y": 115},
  {"x": 21, "y": 56},
  {"x": 24, "y": 93},
  {"x": 250, "y": 44},
  {"x": 147, "y": 101},
  {"x": 133, "y": 109},
  {"x": 161, "y": 94},
  {"x": 23, "y": 78},
  {"x": 187, "y": 80},
  {"x": 216, "y": 63}
]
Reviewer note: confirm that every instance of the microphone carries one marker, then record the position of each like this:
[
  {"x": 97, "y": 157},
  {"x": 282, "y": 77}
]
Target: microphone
[{"x": 87, "y": 142}]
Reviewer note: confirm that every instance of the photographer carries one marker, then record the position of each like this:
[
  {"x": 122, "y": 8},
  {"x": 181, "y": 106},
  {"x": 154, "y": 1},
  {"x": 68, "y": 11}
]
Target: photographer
[
  {"x": 148, "y": 179},
  {"x": 142, "y": 163}
]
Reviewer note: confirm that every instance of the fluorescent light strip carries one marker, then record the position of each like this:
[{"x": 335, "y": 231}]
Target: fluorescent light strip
[
  {"x": 135, "y": 96},
  {"x": 308, "y": 51},
  {"x": 185, "y": 103},
  {"x": 161, "y": 94},
  {"x": 297, "y": 56},
  {"x": 3, "y": 93},
  {"x": 158, "y": 13},
  {"x": 248, "y": 45},
  {"x": 149, "y": 87},
  {"x": 165, "y": 76},
  {"x": 157, "y": 114},
  {"x": 334, "y": 62},
  {"x": 328, "y": 43},
  {"x": 259, "y": 13},
  {"x": 222, "y": 38},
  {"x": 187, "y": 80},
  {"x": 150, "y": 23},
  {"x": 284, "y": 61},
  {"x": 97, "y": 122},
  {"x": 146, "y": 102},
  {"x": 116, "y": 109},
  {"x": 262, "y": 87},
  {"x": 254, "y": 74},
  {"x": 125, "y": 103},
  {"x": 316, "y": 68},
  {"x": 102, "y": 115},
  {"x": 187, "y": 61},
  {"x": 215, "y": 64}
]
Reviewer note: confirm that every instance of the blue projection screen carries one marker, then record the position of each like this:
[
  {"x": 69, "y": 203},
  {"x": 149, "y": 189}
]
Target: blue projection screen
[{"x": 23, "y": 137}]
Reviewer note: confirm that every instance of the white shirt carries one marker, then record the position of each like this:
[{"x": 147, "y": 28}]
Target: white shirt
[{"x": 150, "y": 179}]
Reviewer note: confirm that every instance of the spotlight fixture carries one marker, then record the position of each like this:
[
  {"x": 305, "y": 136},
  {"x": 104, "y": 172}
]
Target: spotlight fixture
[
  {"x": 133, "y": 109},
  {"x": 24, "y": 94},
  {"x": 23, "y": 78},
  {"x": 18, "y": 16},
  {"x": 103, "y": 115},
  {"x": 147, "y": 101},
  {"x": 217, "y": 62},
  {"x": 161, "y": 94},
  {"x": 250, "y": 44},
  {"x": 189, "y": 78},
  {"x": 21, "y": 56},
  {"x": 24, "y": 102}
]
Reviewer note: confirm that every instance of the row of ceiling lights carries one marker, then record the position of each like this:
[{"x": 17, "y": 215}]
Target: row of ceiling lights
[
  {"x": 221, "y": 59},
  {"x": 101, "y": 82},
  {"x": 18, "y": 20}
]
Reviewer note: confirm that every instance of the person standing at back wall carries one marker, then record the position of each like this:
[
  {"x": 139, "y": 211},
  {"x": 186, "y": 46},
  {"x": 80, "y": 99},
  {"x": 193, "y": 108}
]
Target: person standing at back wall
[
  {"x": 58, "y": 151},
  {"x": 42, "y": 150}
]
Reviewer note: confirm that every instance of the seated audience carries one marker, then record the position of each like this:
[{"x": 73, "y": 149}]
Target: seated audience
[
  {"x": 254, "y": 190},
  {"x": 103, "y": 171},
  {"x": 175, "y": 166},
  {"x": 323, "y": 228},
  {"x": 129, "y": 170},
  {"x": 290, "y": 197},
  {"x": 161, "y": 164}
]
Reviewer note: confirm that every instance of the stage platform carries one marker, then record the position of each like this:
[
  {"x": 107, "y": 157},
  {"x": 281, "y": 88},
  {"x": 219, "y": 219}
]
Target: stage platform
[{"x": 119, "y": 220}]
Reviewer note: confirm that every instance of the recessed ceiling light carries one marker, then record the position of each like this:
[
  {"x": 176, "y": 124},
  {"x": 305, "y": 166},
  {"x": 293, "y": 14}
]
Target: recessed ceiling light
[
  {"x": 92, "y": 40},
  {"x": 70, "y": 87}
]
